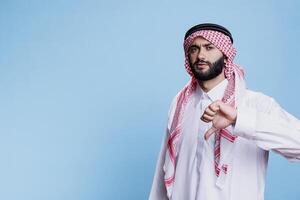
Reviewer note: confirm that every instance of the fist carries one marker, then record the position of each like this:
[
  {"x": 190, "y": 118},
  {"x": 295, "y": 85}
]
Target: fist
[{"x": 221, "y": 115}]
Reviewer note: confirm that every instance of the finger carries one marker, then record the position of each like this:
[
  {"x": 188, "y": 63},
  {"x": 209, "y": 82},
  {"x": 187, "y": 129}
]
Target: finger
[
  {"x": 207, "y": 121},
  {"x": 209, "y": 111},
  {"x": 207, "y": 118},
  {"x": 203, "y": 119},
  {"x": 215, "y": 106},
  {"x": 209, "y": 132}
]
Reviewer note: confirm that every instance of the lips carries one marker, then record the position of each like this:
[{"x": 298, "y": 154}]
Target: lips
[{"x": 201, "y": 65}]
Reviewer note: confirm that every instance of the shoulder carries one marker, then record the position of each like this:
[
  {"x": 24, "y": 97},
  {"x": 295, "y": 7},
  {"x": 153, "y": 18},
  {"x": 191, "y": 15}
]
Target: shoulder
[
  {"x": 173, "y": 105},
  {"x": 257, "y": 96},
  {"x": 258, "y": 100}
]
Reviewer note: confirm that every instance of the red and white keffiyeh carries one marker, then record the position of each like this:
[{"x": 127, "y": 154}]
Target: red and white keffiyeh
[{"x": 233, "y": 74}]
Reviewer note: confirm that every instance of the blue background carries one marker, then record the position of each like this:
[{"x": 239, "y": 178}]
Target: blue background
[{"x": 85, "y": 88}]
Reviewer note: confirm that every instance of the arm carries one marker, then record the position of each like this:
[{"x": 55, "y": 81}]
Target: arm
[
  {"x": 276, "y": 130},
  {"x": 158, "y": 190}
]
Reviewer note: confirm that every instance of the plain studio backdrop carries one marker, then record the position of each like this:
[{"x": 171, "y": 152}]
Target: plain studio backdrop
[{"x": 85, "y": 87}]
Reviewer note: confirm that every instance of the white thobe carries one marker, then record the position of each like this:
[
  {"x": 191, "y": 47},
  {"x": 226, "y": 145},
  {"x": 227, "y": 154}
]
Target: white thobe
[{"x": 261, "y": 125}]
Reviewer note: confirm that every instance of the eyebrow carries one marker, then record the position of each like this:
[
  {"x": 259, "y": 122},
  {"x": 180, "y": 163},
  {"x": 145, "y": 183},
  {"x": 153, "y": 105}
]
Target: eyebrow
[
  {"x": 203, "y": 45},
  {"x": 206, "y": 45}
]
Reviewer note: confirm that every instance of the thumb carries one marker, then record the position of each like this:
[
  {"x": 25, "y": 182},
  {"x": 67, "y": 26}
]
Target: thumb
[{"x": 209, "y": 132}]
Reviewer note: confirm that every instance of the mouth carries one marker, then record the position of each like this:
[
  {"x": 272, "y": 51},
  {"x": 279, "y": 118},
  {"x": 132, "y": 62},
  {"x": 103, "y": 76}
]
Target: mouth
[{"x": 201, "y": 65}]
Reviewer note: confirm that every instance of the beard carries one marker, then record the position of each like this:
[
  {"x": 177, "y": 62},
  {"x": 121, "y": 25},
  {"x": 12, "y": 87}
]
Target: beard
[{"x": 215, "y": 69}]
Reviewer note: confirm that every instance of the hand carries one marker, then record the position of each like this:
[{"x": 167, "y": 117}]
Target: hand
[{"x": 220, "y": 114}]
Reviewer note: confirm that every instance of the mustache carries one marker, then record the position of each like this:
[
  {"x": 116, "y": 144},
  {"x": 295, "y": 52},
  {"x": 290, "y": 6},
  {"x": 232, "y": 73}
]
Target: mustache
[{"x": 202, "y": 62}]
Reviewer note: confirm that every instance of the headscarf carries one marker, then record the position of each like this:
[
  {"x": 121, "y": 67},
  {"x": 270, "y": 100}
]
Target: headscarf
[{"x": 221, "y": 38}]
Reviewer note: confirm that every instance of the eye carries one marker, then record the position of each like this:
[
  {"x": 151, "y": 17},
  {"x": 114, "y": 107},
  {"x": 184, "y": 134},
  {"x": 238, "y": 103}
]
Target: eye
[
  {"x": 193, "y": 50},
  {"x": 209, "y": 47}
]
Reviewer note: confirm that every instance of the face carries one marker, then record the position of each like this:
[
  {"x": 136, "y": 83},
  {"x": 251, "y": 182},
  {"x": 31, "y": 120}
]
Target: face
[{"x": 206, "y": 61}]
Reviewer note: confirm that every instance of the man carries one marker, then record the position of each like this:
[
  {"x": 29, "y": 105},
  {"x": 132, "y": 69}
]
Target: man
[{"x": 219, "y": 133}]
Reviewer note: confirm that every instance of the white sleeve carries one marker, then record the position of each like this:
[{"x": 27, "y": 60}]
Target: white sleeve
[
  {"x": 158, "y": 190},
  {"x": 275, "y": 130}
]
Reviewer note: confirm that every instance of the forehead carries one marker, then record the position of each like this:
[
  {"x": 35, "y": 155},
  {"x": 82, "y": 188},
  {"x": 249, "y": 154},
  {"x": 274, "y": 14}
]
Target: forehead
[{"x": 200, "y": 41}]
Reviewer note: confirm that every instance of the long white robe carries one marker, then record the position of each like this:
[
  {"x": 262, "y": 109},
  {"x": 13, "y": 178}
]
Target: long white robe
[{"x": 261, "y": 125}]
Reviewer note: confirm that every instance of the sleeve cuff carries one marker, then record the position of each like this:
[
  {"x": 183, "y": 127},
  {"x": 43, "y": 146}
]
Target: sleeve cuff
[{"x": 245, "y": 122}]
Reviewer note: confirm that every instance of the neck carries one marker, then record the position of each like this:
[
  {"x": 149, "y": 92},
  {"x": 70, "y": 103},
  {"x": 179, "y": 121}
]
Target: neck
[{"x": 210, "y": 84}]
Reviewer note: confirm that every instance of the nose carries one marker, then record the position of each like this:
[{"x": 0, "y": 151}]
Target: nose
[{"x": 201, "y": 54}]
